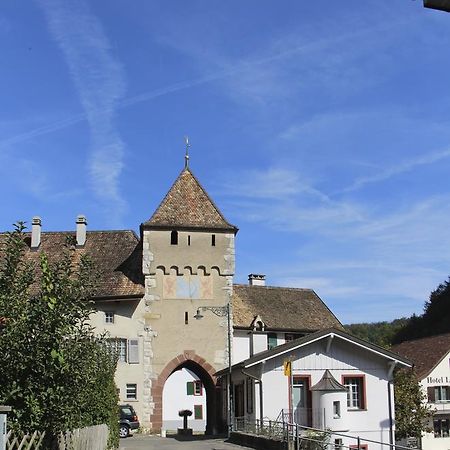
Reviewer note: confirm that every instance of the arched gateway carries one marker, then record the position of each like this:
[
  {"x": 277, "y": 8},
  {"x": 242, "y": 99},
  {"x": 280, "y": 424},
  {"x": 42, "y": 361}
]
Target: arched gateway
[
  {"x": 191, "y": 361},
  {"x": 188, "y": 263}
]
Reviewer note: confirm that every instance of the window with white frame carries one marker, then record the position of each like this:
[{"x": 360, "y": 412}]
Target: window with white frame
[
  {"x": 356, "y": 390},
  {"x": 127, "y": 350},
  {"x": 198, "y": 388},
  {"x": 132, "y": 391},
  {"x": 119, "y": 347},
  {"x": 109, "y": 317}
]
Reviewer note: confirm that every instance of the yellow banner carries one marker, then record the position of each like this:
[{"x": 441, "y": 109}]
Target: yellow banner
[{"x": 287, "y": 365}]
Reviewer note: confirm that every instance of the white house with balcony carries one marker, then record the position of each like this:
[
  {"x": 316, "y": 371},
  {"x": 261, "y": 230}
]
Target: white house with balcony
[
  {"x": 431, "y": 358},
  {"x": 337, "y": 382}
]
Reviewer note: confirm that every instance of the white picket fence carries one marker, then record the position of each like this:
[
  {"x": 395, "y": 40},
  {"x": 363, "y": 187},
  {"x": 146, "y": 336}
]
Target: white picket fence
[{"x": 89, "y": 438}]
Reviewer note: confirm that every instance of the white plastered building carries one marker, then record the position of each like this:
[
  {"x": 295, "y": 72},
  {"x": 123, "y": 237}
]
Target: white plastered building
[
  {"x": 338, "y": 382},
  {"x": 431, "y": 358}
]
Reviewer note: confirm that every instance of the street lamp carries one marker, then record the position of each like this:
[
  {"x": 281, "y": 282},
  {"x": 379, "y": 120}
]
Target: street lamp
[{"x": 222, "y": 311}]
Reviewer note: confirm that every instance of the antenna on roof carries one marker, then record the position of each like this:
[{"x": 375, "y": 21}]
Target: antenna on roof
[{"x": 186, "y": 156}]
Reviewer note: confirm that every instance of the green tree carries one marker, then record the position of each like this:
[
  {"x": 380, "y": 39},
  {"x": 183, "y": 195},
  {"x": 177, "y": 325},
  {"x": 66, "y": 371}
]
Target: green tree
[
  {"x": 434, "y": 320},
  {"x": 380, "y": 333},
  {"x": 412, "y": 414},
  {"x": 55, "y": 373}
]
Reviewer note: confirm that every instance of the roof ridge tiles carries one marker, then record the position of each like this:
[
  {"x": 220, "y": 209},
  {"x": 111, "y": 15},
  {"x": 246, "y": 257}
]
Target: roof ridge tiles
[{"x": 274, "y": 287}]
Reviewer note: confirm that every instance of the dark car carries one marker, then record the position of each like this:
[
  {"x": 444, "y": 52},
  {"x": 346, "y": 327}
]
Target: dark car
[{"x": 128, "y": 420}]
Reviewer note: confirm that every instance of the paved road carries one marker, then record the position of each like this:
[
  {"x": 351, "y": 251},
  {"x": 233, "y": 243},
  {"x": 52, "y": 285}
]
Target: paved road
[{"x": 140, "y": 442}]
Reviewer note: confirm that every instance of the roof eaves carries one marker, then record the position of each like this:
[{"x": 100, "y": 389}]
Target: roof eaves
[{"x": 314, "y": 337}]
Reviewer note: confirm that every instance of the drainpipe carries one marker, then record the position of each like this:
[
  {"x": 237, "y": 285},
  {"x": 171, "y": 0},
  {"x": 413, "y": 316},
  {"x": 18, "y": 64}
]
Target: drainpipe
[
  {"x": 392, "y": 365},
  {"x": 391, "y": 427},
  {"x": 259, "y": 381}
]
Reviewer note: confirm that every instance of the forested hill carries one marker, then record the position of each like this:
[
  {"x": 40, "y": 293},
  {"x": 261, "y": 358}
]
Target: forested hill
[
  {"x": 434, "y": 320},
  {"x": 380, "y": 333}
]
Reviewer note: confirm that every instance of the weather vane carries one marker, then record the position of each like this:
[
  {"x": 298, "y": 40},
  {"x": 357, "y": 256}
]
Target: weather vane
[{"x": 186, "y": 156}]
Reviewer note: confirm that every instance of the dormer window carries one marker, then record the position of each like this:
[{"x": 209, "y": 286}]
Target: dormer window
[{"x": 174, "y": 237}]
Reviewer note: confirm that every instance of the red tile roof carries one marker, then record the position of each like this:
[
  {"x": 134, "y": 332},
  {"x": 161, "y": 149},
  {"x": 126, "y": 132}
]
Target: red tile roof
[
  {"x": 116, "y": 255},
  {"x": 425, "y": 353},
  {"x": 187, "y": 205},
  {"x": 281, "y": 308}
]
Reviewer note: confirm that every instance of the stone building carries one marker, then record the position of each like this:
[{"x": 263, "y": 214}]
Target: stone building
[{"x": 150, "y": 287}]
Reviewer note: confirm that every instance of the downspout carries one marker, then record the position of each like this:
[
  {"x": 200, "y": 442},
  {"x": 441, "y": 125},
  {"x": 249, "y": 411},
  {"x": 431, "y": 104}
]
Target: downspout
[
  {"x": 391, "y": 424},
  {"x": 389, "y": 388},
  {"x": 259, "y": 381}
]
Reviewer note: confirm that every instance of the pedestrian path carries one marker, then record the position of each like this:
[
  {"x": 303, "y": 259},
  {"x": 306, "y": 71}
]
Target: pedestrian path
[{"x": 140, "y": 442}]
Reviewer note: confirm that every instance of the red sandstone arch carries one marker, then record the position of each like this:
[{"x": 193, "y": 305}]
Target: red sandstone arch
[{"x": 158, "y": 384}]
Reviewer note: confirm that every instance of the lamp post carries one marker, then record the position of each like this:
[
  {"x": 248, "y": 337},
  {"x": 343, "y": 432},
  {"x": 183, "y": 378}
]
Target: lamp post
[{"x": 222, "y": 311}]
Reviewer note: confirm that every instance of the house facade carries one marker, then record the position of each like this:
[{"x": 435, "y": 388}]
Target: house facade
[
  {"x": 431, "y": 358},
  {"x": 150, "y": 287},
  {"x": 336, "y": 382}
]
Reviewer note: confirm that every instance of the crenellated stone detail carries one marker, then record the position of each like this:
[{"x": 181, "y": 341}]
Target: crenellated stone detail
[{"x": 147, "y": 255}]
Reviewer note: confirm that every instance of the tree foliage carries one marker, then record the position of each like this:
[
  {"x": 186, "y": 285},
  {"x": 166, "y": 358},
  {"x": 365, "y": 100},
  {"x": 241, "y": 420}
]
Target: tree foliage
[
  {"x": 434, "y": 320},
  {"x": 412, "y": 414},
  {"x": 380, "y": 333},
  {"x": 55, "y": 373}
]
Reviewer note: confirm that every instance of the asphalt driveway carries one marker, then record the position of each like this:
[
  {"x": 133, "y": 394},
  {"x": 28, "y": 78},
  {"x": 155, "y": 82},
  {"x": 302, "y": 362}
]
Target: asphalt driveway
[{"x": 140, "y": 442}]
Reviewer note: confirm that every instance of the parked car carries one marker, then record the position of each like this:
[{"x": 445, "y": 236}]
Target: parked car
[{"x": 128, "y": 420}]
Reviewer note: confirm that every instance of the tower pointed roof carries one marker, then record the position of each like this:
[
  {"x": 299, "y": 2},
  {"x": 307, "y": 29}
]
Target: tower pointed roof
[
  {"x": 328, "y": 383},
  {"x": 187, "y": 205}
]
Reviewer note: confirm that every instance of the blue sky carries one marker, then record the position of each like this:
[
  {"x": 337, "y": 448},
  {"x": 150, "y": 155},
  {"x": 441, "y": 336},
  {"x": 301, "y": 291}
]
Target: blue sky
[{"x": 321, "y": 129}]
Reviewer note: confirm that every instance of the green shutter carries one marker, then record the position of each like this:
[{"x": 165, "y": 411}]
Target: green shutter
[
  {"x": 198, "y": 412},
  {"x": 190, "y": 388},
  {"x": 272, "y": 340}
]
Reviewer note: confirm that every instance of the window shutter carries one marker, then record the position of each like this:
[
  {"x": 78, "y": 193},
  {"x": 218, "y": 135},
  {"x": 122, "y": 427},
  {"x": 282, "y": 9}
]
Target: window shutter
[
  {"x": 271, "y": 340},
  {"x": 362, "y": 388},
  {"x": 133, "y": 351},
  {"x": 430, "y": 392},
  {"x": 190, "y": 388},
  {"x": 198, "y": 412}
]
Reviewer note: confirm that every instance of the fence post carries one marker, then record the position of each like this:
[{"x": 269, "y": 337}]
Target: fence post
[
  {"x": 296, "y": 437},
  {"x": 3, "y": 411}
]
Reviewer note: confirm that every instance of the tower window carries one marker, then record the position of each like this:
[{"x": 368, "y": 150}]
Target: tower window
[
  {"x": 174, "y": 237},
  {"x": 189, "y": 239},
  {"x": 213, "y": 240},
  {"x": 186, "y": 318}
]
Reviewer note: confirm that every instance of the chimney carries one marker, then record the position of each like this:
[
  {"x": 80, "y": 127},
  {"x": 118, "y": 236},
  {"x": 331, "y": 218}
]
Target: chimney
[
  {"x": 35, "y": 232},
  {"x": 255, "y": 279},
  {"x": 81, "y": 230}
]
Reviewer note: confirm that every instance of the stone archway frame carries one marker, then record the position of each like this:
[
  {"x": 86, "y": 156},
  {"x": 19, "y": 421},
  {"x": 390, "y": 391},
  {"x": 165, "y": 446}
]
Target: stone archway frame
[{"x": 158, "y": 385}]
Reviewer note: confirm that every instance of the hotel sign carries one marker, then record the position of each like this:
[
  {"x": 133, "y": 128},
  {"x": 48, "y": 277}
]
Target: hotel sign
[{"x": 438, "y": 380}]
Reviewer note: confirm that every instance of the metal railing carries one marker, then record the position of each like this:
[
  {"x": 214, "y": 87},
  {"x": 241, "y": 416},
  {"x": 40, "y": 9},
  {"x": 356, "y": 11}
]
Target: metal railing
[{"x": 302, "y": 437}]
